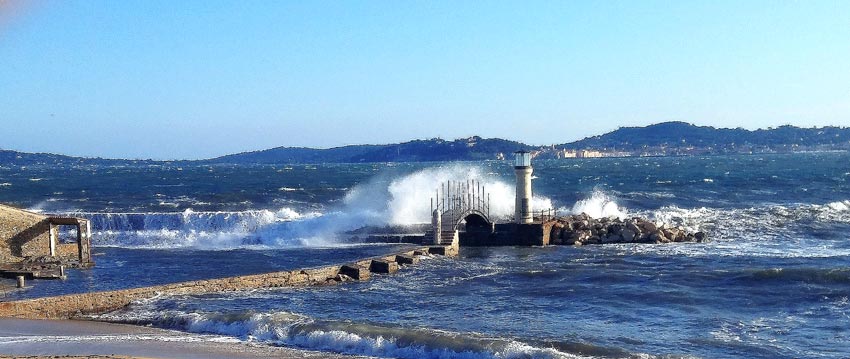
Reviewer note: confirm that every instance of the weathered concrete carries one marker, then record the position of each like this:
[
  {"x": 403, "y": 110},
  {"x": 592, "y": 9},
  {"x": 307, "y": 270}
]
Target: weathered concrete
[
  {"x": 22, "y": 234},
  {"x": 73, "y": 305},
  {"x": 404, "y": 259},
  {"x": 25, "y": 234},
  {"x": 383, "y": 267},
  {"x": 355, "y": 272}
]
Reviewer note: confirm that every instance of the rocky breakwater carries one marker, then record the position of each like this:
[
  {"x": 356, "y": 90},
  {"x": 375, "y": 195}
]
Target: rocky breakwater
[{"x": 582, "y": 229}]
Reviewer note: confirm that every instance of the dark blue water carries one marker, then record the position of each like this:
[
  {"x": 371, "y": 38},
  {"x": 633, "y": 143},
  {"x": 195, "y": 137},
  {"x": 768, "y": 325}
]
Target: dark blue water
[{"x": 773, "y": 282}]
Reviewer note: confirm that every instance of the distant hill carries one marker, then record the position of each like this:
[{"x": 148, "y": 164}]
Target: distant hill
[
  {"x": 10, "y": 157},
  {"x": 465, "y": 149},
  {"x": 682, "y": 135},
  {"x": 662, "y": 139}
]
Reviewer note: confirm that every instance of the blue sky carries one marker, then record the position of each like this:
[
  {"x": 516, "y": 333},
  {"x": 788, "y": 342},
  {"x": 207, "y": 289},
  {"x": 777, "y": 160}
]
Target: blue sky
[{"x": 196, "y": 79}]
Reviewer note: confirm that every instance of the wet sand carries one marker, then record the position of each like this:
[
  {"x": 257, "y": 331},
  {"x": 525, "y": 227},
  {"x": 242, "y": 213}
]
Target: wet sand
[{"x": 21, "y": 338}]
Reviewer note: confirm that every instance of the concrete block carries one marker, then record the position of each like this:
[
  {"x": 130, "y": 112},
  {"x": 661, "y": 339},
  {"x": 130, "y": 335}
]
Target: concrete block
[
  {"x": 404, "y": 259},
  {"x": 356, "y": 272},
  {"x": 449, "y": 251},
  {"x": 383, "y": 267}
]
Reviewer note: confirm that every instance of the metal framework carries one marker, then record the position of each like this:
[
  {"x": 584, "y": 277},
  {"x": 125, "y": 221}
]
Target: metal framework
[{"x": 456, "y": 200}]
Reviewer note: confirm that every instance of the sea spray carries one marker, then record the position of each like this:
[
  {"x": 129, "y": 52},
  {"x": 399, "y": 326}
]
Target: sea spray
[
  {"x": 599, "y": 205},
  {"x": 409, "y": 196},
  {"x": 383, "y": 200}
]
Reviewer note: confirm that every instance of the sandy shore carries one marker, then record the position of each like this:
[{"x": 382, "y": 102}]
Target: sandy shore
[{"x": 21, "y": 338}]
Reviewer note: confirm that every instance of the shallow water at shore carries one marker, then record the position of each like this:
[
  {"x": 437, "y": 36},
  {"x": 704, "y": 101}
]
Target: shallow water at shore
[{"x": 82, "y": 338}]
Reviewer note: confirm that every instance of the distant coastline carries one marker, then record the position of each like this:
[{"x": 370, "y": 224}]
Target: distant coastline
[{"x": 658, "y": 140}]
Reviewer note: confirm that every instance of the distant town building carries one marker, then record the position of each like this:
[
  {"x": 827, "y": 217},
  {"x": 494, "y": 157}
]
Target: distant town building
[{"x": 589, "y": 154}]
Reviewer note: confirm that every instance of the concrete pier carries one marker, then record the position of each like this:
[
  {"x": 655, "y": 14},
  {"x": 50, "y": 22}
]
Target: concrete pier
[{"x": 75, "y": 305}]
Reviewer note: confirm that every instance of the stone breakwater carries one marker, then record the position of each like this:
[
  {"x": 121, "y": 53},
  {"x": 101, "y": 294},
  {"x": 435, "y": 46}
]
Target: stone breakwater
[
  {"x": 75, "y": 305},
  {"x": 582, "y": 229}
]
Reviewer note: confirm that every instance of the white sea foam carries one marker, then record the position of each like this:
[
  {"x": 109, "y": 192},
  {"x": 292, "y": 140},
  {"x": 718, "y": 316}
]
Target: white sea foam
[
  {"x": 401, "y": 200},
  {"x": 210, "y": 230},
  {"x": 290, "y": 329},
  {"x": 761, "y": 231},
  {"x": 406, "y": 198},
  {"x": 599, "y": 205}
]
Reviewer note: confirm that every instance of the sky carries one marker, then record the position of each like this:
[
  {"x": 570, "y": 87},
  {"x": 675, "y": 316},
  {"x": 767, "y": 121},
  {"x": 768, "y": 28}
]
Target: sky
[{"x": 199, "y": 79}]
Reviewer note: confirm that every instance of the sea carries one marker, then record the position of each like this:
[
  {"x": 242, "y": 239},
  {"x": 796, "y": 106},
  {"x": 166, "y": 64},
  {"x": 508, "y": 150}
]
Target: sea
[{"x": 773, "y": 281}]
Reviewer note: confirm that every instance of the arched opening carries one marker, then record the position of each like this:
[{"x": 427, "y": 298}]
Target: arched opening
[{"x": 475, "y": 223}]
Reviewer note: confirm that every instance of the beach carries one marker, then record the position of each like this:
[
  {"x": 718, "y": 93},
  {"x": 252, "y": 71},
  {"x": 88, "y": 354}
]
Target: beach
[{"x": 85, "y": 339}]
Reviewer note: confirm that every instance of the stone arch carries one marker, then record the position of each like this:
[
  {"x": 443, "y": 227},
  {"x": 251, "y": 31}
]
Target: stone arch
[{"x": 476, "y": 221}]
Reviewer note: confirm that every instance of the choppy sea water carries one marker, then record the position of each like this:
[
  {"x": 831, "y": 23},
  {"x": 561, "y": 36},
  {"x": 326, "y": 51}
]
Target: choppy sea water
[{"x": 773, "y": 282}]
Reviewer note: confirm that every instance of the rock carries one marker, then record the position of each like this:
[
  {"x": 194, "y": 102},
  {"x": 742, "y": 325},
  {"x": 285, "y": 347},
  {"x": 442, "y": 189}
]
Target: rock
[
  {"x": 649, "y": 227},
  {"x": 628, "y": 235},
  {"x": 700, "y": 236},
  {"x": 670, "y": 233},
  {"x": 612, "y": 238},
  {"x": 632, "y": 227},
  {"x": 658, "y": 237}
]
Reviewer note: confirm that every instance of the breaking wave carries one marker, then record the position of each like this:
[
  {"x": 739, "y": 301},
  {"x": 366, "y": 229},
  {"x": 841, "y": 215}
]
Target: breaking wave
[
  {"x": 396, "y": 201},
  {"x": 299, "y": 331},
  {"x": 599, "y": 205},
  {"x": 191, "y": 229},
  {"x": 770, "y": 230}
]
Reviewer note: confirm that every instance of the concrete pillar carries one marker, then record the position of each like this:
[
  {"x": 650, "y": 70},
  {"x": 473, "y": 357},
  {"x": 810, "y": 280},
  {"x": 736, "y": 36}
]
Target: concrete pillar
[
  {"x": 53, "y": 238},
  {"x": 21, "y": 281},
  {"x": 80, "y": 237},
  {"x": 437, "y": 225},
  {"x": 522, "y": 168},
  {"x": 87, "y": 244}
]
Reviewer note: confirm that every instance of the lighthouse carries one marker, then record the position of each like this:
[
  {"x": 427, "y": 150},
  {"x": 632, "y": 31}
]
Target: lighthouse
[{"x": 522, "y": 168}]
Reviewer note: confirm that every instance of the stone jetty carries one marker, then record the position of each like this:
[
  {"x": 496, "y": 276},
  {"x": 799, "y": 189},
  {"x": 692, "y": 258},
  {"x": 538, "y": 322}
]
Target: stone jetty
[
  {"x": 75, "y": 305},
  {"x": 582, "y": 229}
]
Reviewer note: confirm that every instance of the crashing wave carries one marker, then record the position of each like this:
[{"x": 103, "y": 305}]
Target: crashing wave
[
  {"x": 294, "y": 330},
  {"x": 399, "y": 201}
]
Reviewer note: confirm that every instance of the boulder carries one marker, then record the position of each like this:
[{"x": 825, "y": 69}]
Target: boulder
[
  {"x": 648, "y": 226},
  {"x": 628, "y": 235},
  {"x": 632, "y": 227},
  {"x": 612, "y": 238},
  {"x": 658, "y": 237}
]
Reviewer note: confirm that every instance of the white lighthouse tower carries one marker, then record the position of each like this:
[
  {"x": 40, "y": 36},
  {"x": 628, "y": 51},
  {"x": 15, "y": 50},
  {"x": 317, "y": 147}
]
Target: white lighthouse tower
[{"x": 522, "y": 167}]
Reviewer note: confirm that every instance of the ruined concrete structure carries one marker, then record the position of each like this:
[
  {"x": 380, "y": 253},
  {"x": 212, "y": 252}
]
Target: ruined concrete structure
[{"x": 25, "y": 234}]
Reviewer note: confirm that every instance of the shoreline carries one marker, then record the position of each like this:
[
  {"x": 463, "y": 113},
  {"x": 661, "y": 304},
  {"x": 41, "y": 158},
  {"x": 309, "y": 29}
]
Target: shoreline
[
  {"x": 45, "y": 328},
  {"x": 31, "y": 338}
]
